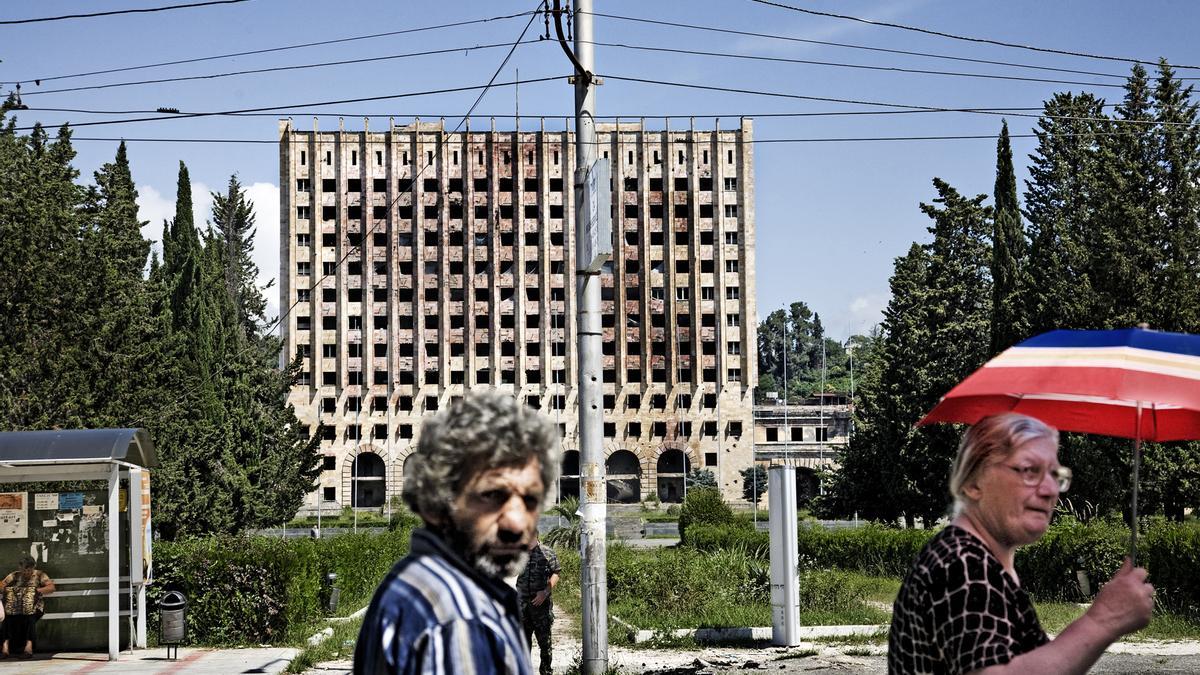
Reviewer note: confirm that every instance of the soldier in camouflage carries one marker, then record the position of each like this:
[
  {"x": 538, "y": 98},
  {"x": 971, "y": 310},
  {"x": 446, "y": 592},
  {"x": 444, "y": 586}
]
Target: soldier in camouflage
[{"x": 534, "y": 585}]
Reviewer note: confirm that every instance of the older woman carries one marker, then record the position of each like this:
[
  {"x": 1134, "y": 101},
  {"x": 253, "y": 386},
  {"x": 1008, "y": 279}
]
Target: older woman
[
  {"x": 23, "y": 592},
  {"x": 961, "y": 608}
]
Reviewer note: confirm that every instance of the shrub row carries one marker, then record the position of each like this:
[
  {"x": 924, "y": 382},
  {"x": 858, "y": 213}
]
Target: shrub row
[
  {"x": 1048, "y": 569},
  {"x": 263, "y": 590}
]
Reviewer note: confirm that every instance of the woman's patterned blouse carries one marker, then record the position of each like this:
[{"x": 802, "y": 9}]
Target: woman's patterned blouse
[{"x": 959, "y": 611}]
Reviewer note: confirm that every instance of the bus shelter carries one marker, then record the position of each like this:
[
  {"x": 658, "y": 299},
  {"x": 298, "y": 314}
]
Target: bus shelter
[{"x": 52, "y": 509}]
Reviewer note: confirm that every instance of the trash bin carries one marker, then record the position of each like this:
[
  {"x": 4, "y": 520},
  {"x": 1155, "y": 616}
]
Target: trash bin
[{"x": 173, "y": 621}]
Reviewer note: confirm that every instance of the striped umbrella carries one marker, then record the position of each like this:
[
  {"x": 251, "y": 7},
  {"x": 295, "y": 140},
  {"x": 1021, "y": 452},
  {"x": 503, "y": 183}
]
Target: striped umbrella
[{"x": 1131, "y": 383}]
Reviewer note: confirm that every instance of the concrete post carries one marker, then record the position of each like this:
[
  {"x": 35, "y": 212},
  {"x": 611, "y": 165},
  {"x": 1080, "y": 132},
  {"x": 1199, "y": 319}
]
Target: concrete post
[{"x": 593, "y": 496}]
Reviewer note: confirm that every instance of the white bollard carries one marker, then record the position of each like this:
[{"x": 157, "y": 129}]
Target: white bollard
[{"x": 785, "y": 575}]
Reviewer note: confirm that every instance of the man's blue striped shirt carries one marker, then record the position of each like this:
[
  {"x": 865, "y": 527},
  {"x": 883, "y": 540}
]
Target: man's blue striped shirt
[{"x": 435, "y": 614}]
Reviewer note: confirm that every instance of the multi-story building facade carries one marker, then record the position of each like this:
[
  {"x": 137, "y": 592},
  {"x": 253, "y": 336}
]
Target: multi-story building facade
[
  {"x": 809, "y": 435},
  {"x": 420, "y": 263}
]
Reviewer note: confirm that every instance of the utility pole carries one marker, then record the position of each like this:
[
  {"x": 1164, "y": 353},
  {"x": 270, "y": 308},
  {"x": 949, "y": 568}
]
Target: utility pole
[{"x": 592, "y": 249}]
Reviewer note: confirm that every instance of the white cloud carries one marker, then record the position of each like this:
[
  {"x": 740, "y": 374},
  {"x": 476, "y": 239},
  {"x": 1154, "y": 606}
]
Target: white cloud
[
  {"x": 265, "y": 197},
  {"x": 865, "y": 311},
  {"x": 830, "y": 30},
  {"x": 155, "y": 207}
]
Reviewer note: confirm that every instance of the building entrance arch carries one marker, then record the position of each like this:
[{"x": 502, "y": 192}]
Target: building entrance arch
[
  {"x": 568, "y": 481},
  {"x": 624, "y": 477},
  {"x": 367, "y": 480},
  {"x": 672, "y": 469}
]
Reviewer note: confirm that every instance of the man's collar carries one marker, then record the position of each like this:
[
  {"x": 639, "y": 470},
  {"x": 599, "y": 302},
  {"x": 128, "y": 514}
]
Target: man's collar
[{"x": 427, "y": 542}]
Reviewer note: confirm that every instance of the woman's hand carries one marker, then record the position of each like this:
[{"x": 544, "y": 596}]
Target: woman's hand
[{"x": 1125, "y": 603}]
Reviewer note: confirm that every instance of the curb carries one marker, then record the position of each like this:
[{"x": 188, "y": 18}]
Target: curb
[{"x": 757, "y": 633}]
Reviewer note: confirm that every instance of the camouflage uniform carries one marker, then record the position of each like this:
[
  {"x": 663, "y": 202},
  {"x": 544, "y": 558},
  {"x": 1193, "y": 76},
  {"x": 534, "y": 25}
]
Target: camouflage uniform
[{"x": 536, "y": 619}]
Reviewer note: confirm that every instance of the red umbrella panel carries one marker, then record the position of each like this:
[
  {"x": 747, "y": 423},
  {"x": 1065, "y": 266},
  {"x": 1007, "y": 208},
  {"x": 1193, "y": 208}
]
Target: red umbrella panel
[{"x": 1090, "y": 382}]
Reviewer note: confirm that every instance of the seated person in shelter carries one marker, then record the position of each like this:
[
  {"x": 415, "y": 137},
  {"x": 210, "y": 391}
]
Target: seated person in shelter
[
  {"x": 961, "y": 608},
  {"x": 24, "y": 591}
]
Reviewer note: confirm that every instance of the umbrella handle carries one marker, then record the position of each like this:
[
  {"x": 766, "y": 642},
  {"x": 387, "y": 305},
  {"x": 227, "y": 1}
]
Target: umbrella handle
[{"x": 1137, "y": 460}]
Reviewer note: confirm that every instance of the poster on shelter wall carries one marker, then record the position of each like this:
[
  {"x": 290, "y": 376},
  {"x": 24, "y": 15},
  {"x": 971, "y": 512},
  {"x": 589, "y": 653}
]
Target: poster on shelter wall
[
  {"x": 14, "y": 517},
  {"x": 92, "y": 531}
]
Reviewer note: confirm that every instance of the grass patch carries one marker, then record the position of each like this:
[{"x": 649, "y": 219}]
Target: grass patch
[
  {"x": 879, "y": 637},
  {"x": 338, "y": 646},
  {"x": 1165, "y": 625},
  {"x": 667, "y": 589},
  {"x": 660, "y": 517}
]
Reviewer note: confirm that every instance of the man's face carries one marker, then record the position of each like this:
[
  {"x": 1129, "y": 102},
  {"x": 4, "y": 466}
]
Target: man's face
[{"x": 494, "y": 518}]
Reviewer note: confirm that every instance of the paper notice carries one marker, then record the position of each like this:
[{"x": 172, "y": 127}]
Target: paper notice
[
  {"x": 45, "y": 501},
  {"x": 14, "y": 523}
]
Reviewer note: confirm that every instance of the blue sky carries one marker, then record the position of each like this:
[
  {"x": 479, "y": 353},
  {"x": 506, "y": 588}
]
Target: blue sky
[{"x": 831, "y": 216}]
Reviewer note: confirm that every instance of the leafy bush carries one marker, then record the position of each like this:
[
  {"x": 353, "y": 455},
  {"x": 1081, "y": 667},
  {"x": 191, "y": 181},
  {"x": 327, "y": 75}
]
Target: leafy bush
[
  {"x": 1171, "y": 552},
  {"x": 567, "y": 535},
  {"x": 709, "y": 537},
  {"x": 1048, "y": 568},
  {"x": 402, "y": 517},
  {"x": 263, "y": 590},
  {"x": 870, "y": 549},
  {"x": 703, "y": 506}
]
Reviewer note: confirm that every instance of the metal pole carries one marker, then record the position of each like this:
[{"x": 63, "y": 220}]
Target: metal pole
[
  {"x": 787, "y": 439},
  {"x": 113, "y": 516},
  {"x": 593, "y": 495},
  {"x": 1137, "y": 460}
]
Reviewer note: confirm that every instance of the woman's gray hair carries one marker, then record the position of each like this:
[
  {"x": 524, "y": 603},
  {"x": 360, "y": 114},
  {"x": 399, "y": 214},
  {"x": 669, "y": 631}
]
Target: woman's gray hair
[
  {"x": 483, "y": 430},
  {"x": 992, "y": 438}
]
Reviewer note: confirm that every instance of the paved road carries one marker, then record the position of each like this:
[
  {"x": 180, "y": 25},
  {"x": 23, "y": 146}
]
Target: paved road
[{"x": 154, "y": 662}]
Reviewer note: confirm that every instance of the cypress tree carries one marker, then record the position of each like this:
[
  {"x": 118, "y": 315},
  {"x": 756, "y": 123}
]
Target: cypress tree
[
  {"x": 233, "y": 218},
  {"x": 1060, "y": 205},
  {"x": 1008, "y": 252}
]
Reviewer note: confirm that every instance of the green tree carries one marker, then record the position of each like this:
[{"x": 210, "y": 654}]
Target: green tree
[
  {"x": 1008, "y": 252},
  {"x": 1061, "y": 207},
  {"x": 870, "y": 481},
  {"x": 233, "y": 218},
  {"x": 754, "y": 483},
  {"x": 701, "y": 478}
]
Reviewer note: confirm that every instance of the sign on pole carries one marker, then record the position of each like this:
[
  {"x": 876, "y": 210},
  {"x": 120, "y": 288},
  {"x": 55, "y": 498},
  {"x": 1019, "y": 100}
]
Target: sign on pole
[{"x": 597, "y": 213}]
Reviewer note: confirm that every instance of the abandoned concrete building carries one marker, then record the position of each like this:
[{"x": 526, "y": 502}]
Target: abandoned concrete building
[
  {"x": 422, "y": 263},
  {"x": 809, "y": 435}
]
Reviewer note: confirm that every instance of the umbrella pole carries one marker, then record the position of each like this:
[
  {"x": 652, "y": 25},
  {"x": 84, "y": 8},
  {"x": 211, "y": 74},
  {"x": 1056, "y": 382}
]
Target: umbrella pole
[{"x": 1137, "y": 460}]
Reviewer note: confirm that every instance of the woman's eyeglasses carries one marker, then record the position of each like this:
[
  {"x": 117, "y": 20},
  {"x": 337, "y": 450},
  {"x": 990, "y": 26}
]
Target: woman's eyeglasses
[{"x": 1033, "y": 476}]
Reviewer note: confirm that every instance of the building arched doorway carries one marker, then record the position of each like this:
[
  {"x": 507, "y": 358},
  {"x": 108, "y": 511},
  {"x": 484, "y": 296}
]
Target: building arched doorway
[
  {"x": 568, "y": 481},
  {"x": 808, "y": 486},
  {"x": 673, "y": 467},
  {"x": 624, "y": 478},
  {"x": 367, "y": 483}
]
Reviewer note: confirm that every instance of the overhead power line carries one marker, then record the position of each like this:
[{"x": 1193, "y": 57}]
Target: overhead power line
[
  {"x": 894, "y": 69},
  {"x": 830, "y": 99},
  {"x": 144, "y": 10},
  {"x": 268, "y": 50},
  {"x": 965, "y": 38},
  {"x": 275, "y": 69},
  {"x": 428, "y": 92},
  {"x": 625, "y": 117},
  {"x": 831, "y": 139},
  {"x": 788, "y": 38}
]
